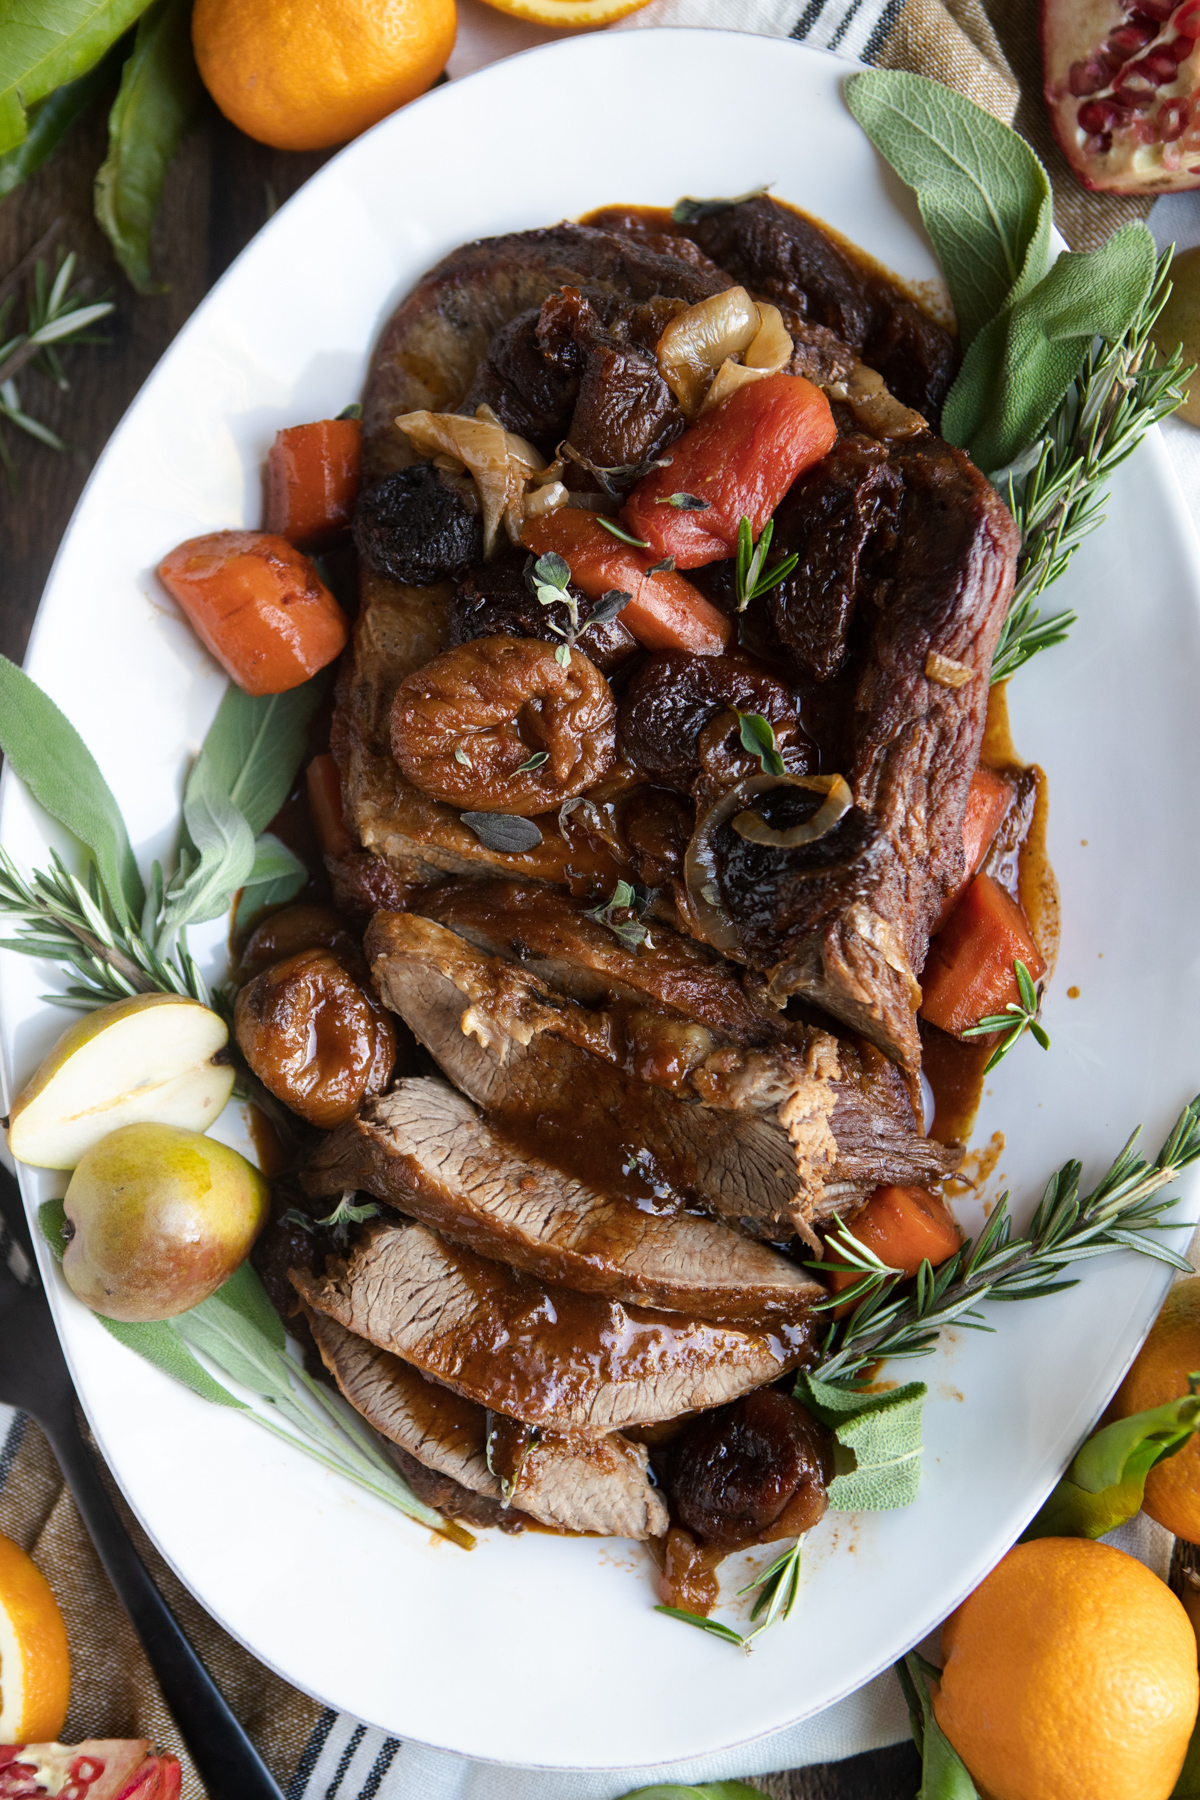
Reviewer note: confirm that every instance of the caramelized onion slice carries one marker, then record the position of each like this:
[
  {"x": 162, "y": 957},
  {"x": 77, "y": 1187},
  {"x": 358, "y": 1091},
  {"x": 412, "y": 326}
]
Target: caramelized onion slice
[
  {"x": 500, "y": 461},
  {"x": 700, "y": 338},
  {"x": 772, "y": 345},
  {"x": 837, "y": 803},
  {"x": 709, "y": 919}
]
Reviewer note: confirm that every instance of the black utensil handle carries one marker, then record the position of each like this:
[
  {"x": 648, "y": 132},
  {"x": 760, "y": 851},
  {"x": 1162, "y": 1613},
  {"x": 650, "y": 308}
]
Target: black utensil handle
[{"x": 227, "y": 1761}]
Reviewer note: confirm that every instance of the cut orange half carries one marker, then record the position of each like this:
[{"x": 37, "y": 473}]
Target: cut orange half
[
  {"x": 568, "y": 12},
  {"x": 35, "y": 1663}
]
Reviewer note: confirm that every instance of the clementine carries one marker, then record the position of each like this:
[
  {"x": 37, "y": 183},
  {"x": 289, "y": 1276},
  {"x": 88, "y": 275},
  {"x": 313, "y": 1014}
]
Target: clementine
[
  {"x": 1160, "y": 1373},
  {"x": 35, "y": 1663},
  {"x": 302, "y": 74}
]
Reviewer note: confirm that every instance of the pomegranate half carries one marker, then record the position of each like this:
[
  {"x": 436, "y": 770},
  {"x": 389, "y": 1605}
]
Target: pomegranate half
[
  {"x": 100, "y": 1769},
  {"x": 1122, "y": 82}
]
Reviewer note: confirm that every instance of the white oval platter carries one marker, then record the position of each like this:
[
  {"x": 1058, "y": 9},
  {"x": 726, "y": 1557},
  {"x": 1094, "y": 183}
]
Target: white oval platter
[{"x": 536, "y": 1650}]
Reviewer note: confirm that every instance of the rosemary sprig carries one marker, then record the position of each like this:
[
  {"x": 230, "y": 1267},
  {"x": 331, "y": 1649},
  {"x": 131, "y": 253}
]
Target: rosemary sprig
[
  {"x": 1118, "y": 1214},
  {"x": 1121, "y": 391},
  {"x": 57, "y": 312},
  {"x": 1016, "y": 1019},
  {"x": 751, "y": 578},
  {"x": 63, "y": 920},
  {"x": 778, "y": 1586}
]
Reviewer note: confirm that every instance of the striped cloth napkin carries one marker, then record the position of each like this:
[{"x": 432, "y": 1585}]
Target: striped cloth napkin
[{"x": 989, "y": 52}]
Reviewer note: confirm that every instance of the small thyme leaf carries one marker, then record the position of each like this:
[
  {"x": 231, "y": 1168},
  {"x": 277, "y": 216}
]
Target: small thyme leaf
[
  {"x": 751, "y": 579},
  {"x": 562, "y": 655},
  {"x": 614, "y": 913},
  {"x": 665, "y": 567},
  {"x": 460, "y": 756},
  {"x": 353, "y": 411},
  {"x": 507, "y": 833},
  {"x": 1014, "y": 1021},
  {"x": 347, "y": 1212},
  {"x": 757, "y": 735},
  {"x": 618, "y": 531},
  {"x": 684, "y": 502},
  {"x": 610, "y": 605},
  {"x": 534, "y": 762}
]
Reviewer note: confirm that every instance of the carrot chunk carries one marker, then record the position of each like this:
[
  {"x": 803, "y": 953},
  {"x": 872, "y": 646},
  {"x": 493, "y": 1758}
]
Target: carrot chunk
[
  {"x": 666, "y": 611},
  {"x": 258, "y": 606},
  {"x": 740, "y": 459},
  {"x": 969, "y": 973},
  {"x": 988, "y": 799},
  {"x": 904, "y": 1226},
  {"x": 312, "y": 481},
  {"x": 325, "y": 804}
]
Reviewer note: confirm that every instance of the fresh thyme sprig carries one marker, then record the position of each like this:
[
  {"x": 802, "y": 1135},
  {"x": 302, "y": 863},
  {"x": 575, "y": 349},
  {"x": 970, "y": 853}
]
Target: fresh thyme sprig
[
  {"x": 752, "y": 579},
  {"x": 63, "y": 920},
  {"x": 1118, "y": 1214},
  {"x": 1121, "y": 391},
  {"x": 1016, "y": 1019},
  {"x": 621, "y": 915},
  {"x": 57, "y": 312}
]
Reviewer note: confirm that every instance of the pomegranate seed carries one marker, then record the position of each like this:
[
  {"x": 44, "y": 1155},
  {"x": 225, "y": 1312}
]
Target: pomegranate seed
[
  {"x": 1127, "y": 40},
  {"x": 1157, "y": 10},
  {"x": 1088, "y": 77},
  {"x": 87, "y": 1768},
  {"x": 75, "y": 1790},
  {"x": 1098, "y": 116},
  {"x": 1180, "y": 48},
  {"x": 1172, "y": 117},
  {"x": 1186, "y": 18},
  {"x": 1159, "y": 66}
]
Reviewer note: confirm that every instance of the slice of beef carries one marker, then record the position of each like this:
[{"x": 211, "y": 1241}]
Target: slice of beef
[
  {"x": 786, "y": 258},
  {"x": 751, "y": 1143},
  {"x": 845, "y": 920},
  {"x": 437, "y": 338},
  {"x": 555, "y": 1359},
  {"x": 837, "y": 519},
  {"x": 567, "y": 1483},
  {"x": 424, "y": 1149},
  {"x": 496, "y": 600}
]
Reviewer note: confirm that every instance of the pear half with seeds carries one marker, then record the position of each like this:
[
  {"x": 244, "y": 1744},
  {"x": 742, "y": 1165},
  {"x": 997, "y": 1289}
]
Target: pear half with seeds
[{"x": 153, "y": 1058}]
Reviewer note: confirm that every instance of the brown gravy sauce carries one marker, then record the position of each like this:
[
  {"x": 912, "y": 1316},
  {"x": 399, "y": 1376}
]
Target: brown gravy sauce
[{"x": 955, "y": 1070}]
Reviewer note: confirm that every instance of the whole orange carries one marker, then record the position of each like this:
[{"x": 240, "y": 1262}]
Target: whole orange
[
  {"x": 1069, "y": 1674},
  {"x": 302, "y": 74},
  {"x": 1169, "y": 1355}
]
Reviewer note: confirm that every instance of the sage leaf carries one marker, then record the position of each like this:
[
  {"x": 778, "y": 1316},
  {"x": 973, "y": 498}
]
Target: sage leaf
[
  {"x": 944, "y": 1775},
  {"x": 223, "y": 844},
  {"x": 504, "y": 832},
  {"x": 879, "y": 1435},
  {"x": 276, "y": 876},
  {"x": 256, "y": 744},
  {"x": 160, "y": 99},
  {"x": 52, "y": 1223},
  {"x": 46, "y": 43},
  {"x": 61, "y": 773},
  {"x": 245, "y": 1295},
  {"x": 50, "y": 121},
  {"x": 983, "y": 194},
  {"x": 1023, "y": 362},
  {"x": 1104, "y": 1485}
]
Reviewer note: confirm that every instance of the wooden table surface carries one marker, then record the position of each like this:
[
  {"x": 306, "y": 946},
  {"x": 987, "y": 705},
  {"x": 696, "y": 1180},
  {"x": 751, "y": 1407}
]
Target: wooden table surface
[{"x": 221, "y": 188}]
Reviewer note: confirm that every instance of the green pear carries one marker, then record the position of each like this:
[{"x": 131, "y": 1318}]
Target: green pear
[
  {"x": 157, "y": 1219},
  {"x": 154, "y": 1056},
  {"x": 1179, "y": 324}
]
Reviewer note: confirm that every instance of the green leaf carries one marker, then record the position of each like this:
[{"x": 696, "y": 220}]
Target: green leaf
[
  {"x": 943, "y": 1773},
  {"x": 256, "y": 744},
  {"x": 277, "y": 876},
  {"x": 712, "y": 1790},
  {"x": 160, "y": 99},
  {"x": 63, "y": 776},
  {"x": 52, "y": 1223},
  {"x": 1188, "y": 1785},
  {"x": 713, "y": 1627},
  {"x": 881, "y": 1432},
  {"x": 1104, "y": 1485},
  {"x": 1023, "y": 362},
  {"x": 983, "y": 194},
  {"x": 46, "y": 43},
  {"x": 758, "y": 738},
  {"x": 50, "y": 121},
  {"x": 245, "y": 1295},
  {"x": 160, "y": 1343},
  {"x": 225, "y": 847}
]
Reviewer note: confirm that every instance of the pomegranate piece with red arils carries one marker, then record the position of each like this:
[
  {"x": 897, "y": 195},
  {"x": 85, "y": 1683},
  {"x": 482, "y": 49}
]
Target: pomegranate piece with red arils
[
  {"x": 1122, "y": 83},
  {"x": 101, "y": 1769}
]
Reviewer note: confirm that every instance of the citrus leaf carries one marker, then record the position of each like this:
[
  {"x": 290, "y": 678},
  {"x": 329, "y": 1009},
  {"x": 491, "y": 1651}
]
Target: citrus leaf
[
  {"x": 160, "y": 99},
  {"x": 878, "y": 1435},
  {"x": 943, "y": 1773},
  {"x": 1188, "y": 1785},
  {"x": 983, "y": 194},
  {"x": 47, "y": 43},
  {"x": 1104, "y": 1486},
  {"x": 63, "y": 776},
  {"x": 713, "y": 1790},
  {"x": 50, "y": 121},
  {"x": 1022, "y": 363}
]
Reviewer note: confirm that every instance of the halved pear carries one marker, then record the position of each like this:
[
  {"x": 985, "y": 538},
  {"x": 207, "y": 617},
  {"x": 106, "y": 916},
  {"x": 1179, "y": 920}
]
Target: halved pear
[{"x": 154, "y": 1057}]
